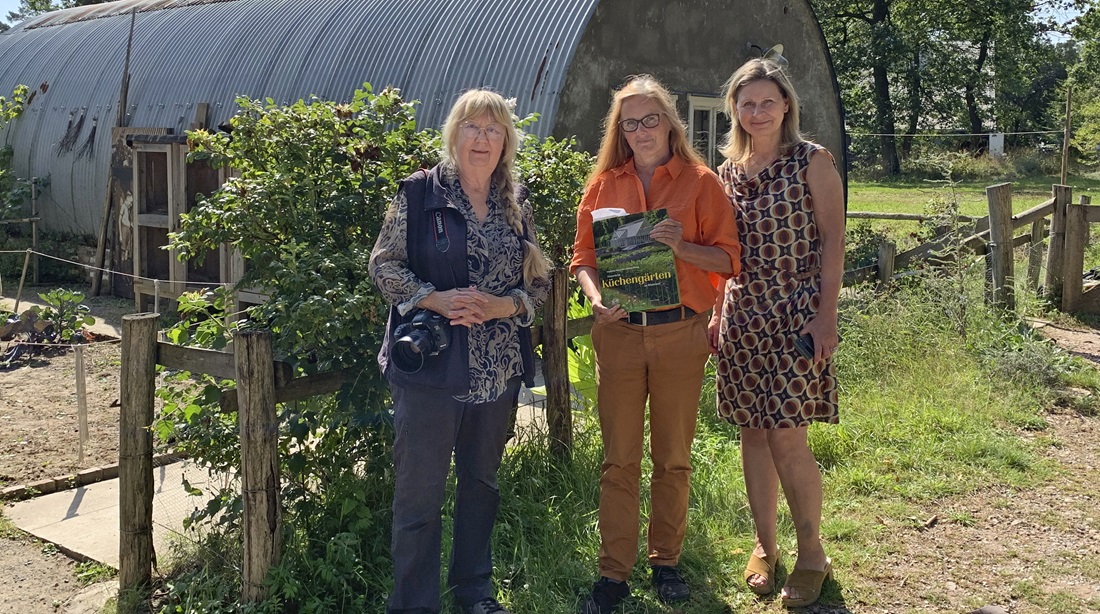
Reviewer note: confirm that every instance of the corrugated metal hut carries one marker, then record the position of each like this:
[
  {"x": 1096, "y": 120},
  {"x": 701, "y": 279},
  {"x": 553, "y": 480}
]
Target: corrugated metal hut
[{"x": 560, "y": 58}]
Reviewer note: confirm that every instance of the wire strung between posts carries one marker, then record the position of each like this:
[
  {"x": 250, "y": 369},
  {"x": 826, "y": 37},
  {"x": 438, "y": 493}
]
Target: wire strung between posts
[
  {"x": 941, "y": 135},
  {"x": 69, "y": 346},
  {"x": 109, "y": 271}
]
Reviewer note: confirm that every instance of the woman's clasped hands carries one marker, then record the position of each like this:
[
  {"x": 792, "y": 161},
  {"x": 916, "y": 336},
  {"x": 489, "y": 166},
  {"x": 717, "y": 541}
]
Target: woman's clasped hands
[{"x": 468, "y": 306}]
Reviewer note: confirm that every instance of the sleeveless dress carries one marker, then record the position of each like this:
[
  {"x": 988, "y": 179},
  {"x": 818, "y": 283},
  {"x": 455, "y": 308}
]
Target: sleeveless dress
[{"x": 762, "y": 380}]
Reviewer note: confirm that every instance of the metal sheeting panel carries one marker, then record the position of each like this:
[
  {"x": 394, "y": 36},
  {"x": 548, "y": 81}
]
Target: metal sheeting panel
[{"x": 191, "y": 51}]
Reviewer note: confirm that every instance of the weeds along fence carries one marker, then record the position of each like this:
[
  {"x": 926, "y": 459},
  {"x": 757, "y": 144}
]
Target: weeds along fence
[
  {"x": 262, "y": 382},
  {"x": 1058, "y": 270}
]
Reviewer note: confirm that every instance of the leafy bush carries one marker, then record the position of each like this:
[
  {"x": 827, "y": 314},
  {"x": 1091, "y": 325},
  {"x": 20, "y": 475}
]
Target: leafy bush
[
  {"x": 312, "y": 183},
  {"x": 555, "y": 174}
]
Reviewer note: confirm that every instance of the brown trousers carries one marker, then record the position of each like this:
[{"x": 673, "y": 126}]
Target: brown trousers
[{"x": 664, "y": 363}]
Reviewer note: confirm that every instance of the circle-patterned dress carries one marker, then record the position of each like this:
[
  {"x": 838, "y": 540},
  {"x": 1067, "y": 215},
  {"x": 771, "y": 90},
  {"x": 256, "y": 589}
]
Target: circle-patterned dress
[{"x": 763, "y": 382}]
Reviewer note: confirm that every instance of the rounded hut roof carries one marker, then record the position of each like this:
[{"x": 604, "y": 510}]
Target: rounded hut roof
[{"x": 187, "y": 52}]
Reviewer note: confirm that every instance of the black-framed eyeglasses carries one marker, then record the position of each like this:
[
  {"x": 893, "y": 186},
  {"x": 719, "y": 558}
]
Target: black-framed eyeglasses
[{"x": 649, "y": 121}]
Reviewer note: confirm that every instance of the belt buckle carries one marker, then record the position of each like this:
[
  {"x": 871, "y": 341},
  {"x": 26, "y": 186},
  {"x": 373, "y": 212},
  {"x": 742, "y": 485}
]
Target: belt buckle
[{"x": 645, "y": 318}]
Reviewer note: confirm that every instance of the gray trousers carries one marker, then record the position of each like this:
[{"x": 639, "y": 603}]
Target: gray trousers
[{"x": 429, "y": 427}]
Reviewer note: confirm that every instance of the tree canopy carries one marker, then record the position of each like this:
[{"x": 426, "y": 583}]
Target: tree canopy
[
  {"x": 30, "y": 8},
  {"x": 964, "y": 67}
]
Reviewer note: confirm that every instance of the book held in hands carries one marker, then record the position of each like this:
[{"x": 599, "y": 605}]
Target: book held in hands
[{"x": 635, "y": 271}]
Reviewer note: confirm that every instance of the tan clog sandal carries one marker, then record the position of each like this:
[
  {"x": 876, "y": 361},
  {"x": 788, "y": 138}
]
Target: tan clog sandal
[
  {"x": 807, "y": 582},
  {"x": 765, "y": 568}
]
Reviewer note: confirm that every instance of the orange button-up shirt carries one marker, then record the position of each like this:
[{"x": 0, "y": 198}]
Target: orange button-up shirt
[{"x": 693, "y": 196}]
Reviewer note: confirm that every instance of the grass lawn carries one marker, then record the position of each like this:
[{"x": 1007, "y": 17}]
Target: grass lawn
[{"x": 912, "y": 196}]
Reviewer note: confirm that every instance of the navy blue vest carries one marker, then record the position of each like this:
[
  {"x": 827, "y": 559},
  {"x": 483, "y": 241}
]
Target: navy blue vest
[{"x": 436, "y": 243}]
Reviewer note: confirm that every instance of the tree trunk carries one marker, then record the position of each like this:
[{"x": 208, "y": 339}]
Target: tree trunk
[
  {"x": 973, "y": 112},
  {"x": 884, "y": 108},
  {"x": 914, "y": 103}
]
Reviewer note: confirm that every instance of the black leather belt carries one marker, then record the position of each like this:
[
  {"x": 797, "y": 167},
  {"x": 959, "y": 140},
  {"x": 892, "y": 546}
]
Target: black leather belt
[{"x": 652, "y": 318}]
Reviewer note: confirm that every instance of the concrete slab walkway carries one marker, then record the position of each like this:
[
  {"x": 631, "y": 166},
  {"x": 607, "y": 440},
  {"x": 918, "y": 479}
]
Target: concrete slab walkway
[{"x": 84, "y": 522}]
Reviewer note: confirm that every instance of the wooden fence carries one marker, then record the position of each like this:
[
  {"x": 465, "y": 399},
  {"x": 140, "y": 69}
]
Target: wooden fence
[
  {"x": 262, "y": 382},
  {"x": 1065, "y": 224}
]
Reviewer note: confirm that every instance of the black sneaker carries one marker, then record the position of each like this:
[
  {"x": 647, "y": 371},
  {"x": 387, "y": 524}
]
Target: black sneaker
[
  {"x": 606, "y": 595},
  {"x": 670, "y": 585},
  {"x": 486, "y": 606}
]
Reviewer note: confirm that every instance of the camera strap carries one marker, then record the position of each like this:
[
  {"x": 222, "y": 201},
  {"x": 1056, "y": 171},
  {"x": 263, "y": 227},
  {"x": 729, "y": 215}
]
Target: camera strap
[{"x": 439, "y": 227}]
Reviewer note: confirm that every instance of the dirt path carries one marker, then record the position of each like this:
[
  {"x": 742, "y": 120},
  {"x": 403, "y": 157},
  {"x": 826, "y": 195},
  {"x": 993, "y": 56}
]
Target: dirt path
[
  {"x": 1030, "y": 553},
  {"x": 39, "y": 439}
]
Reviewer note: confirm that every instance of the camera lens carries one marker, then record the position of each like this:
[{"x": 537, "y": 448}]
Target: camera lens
[{"x": 408, "y": 351}]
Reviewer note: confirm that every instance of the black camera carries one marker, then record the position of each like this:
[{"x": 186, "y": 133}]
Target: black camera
[{"x": 427, "y": 334}]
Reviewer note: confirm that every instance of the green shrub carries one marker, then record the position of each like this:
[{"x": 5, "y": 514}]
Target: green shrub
[{"x": 861, "y": 244}]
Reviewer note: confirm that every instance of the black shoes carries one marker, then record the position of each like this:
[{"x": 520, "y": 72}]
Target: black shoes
[
  {"x": 670, "y": 585},
  {"x": 606, "y": 595},
  {"x": 486, "y": 606}
]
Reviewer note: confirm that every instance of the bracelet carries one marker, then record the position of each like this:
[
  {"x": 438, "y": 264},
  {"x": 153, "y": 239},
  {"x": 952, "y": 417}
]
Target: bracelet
[{"x": 518, "y": 304}]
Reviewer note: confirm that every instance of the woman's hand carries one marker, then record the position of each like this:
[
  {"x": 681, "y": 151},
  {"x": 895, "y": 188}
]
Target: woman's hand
[
  {"x": 712, "y": 331},
  {"x": 670, "y": 232},
  {"x": 604, "y": 314},
  {"x": 823, "y": 330},
  {"x": 469, "y": 306},
  {"x": 462, "y": 306},
  {"x": 589, "y": 281}
]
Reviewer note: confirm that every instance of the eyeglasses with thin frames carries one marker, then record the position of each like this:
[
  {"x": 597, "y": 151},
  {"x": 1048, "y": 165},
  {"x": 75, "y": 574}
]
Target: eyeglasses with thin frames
[
  {"x": 493, "y": 132},
  {"x": 649, "y": 121}
]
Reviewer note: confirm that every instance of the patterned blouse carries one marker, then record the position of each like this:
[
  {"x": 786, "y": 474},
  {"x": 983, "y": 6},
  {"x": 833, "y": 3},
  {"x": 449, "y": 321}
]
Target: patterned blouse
[{"x": 495, "y": 264}]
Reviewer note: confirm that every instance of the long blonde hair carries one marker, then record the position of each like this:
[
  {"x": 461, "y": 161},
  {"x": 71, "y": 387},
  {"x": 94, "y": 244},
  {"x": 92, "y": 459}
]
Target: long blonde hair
[
  {"x": 738, "y": 143},
  {"x": 614, "y": 150},
  {"x": 473, "y": 104}
]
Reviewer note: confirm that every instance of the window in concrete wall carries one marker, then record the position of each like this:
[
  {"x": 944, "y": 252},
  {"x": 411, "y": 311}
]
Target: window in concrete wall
[{"x": 708, "y": 126}]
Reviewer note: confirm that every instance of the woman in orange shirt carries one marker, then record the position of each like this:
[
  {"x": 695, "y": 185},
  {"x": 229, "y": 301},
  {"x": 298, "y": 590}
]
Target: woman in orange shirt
[{"x": 646, "y": 162}]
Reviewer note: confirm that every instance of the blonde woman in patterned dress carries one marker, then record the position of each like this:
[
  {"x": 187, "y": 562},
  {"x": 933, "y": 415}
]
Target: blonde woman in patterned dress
[{"x": 790, "y": 216}]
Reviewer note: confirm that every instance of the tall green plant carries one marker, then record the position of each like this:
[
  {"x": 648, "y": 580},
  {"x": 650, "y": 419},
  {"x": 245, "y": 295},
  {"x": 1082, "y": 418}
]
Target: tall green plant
[
  {"x": 13, "y": 191},
  {"x": 312, "y": 181}
]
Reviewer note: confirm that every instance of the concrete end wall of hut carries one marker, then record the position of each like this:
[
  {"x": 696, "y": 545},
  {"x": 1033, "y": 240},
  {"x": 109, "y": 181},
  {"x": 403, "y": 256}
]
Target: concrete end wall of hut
[{"x": 693, "y": 47}]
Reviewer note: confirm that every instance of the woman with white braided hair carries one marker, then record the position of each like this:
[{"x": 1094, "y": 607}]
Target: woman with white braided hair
[{"x": 458, "y": 261}]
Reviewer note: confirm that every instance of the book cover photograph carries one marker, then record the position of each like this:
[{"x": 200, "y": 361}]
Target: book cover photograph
[{"x": 635, "y": 271}]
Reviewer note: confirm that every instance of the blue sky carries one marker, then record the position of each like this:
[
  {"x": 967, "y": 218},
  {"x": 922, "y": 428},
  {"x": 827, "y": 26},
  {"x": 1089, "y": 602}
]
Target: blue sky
[{"x": 6, "y": 6}]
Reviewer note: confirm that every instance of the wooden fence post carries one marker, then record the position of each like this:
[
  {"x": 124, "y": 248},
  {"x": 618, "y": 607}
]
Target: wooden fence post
[
  {"x": 555, "y": 365},
  {"x": 81, "y": 402},
  {"x": 1056, "y": 249},
  {"x": 887, "y": 251},
  {"x": 262, "y": 534},
  {"x": 135, "y": 457},
  {"x": 1035, "y": 254},
  {"x": 34, "y": 226},
  {"x": 1077, "y": 239},
  {"x": 999, "y": 198}
]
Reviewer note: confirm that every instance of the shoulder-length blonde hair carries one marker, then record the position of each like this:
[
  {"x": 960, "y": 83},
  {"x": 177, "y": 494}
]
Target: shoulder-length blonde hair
[
  {"x": 614, "y": 150},
  {"x": 738, "y": 143},
  {"x": 473, "y": 104}
]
